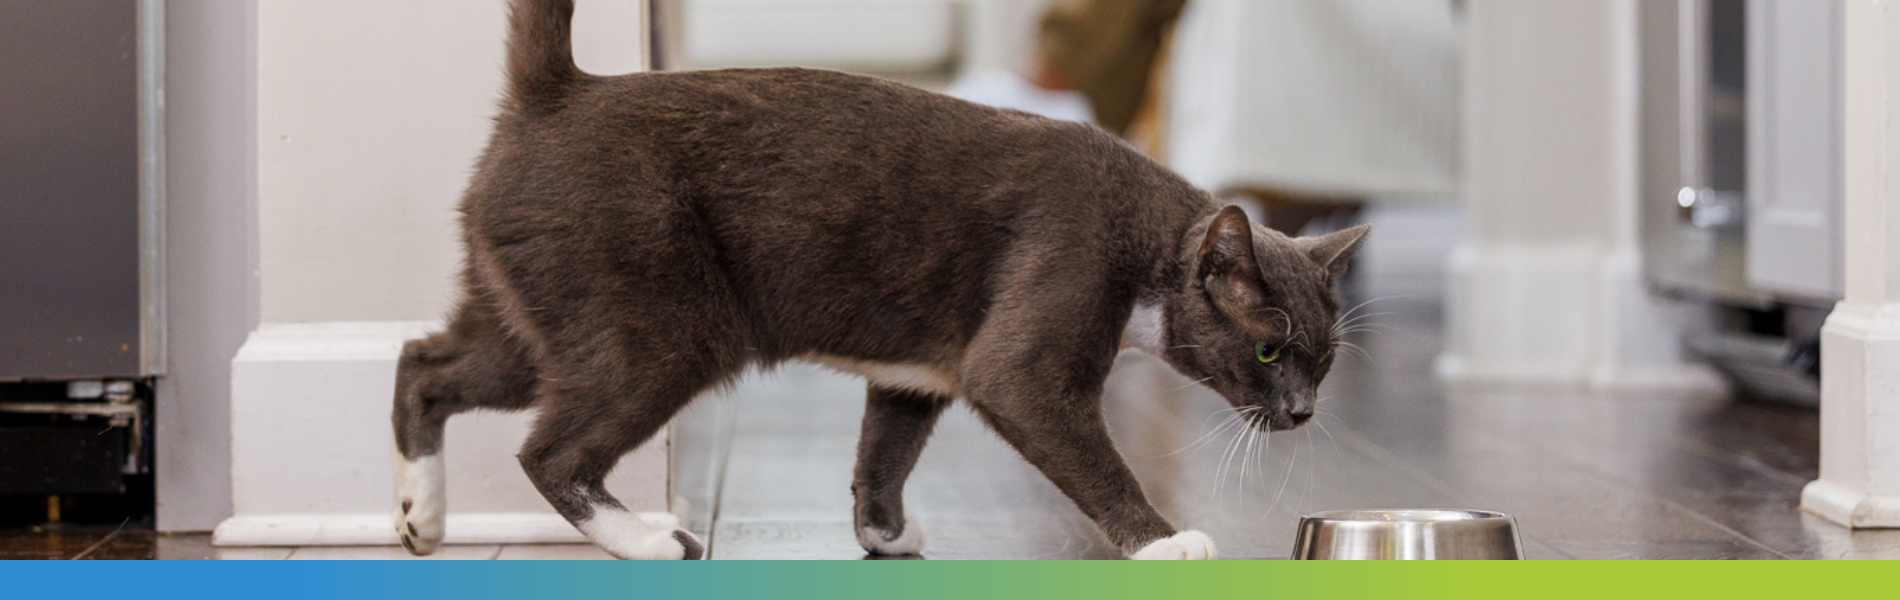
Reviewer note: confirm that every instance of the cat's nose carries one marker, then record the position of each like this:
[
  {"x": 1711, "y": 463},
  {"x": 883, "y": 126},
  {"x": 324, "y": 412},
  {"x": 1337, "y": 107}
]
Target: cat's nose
[{"x": 1301, "y": 410}]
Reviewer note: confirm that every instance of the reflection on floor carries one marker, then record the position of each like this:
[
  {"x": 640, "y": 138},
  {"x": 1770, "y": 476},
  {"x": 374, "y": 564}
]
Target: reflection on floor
[{"x": 1637, "y": 475}]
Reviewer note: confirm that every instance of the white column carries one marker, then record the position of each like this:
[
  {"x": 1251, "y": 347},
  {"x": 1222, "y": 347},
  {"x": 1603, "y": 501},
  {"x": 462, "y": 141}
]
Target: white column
[
  {"x": 1547, "y": 286},
  {"x": 1860, "y": 345},
  {"x": 369, "y": 117}
]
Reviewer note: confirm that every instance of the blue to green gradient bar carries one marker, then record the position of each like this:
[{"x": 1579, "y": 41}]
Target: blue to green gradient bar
[{"x": 917, "y": 580}]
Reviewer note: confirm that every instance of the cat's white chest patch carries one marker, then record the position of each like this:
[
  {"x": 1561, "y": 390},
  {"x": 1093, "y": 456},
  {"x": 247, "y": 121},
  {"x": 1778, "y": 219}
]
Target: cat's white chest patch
[
  {"x": 1145, "y": 329},
  {"x": 914, "y": 377}
]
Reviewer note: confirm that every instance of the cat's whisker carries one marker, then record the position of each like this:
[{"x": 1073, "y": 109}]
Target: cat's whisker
[
  {"x": 1288, "y": 476},
  {"x": 1351, "y": 318},
  {"x": 1233, "y": 447},
  {"x": 1220, "y": 467},
  {"x": 1356, "y": 353},
  {"x": 1210, "y": 435},
  {"x": 1361, "y": 305},
  {"x": 1238, "y": 428},
  {"x": 1378, "y": 329},
  {"x": 1349, "y": 329},
  {"x": 1337, "y": 420},
  {"x": 1194, "y": 383},
  {"x": 1345, "y": 347},
  {"x": 1180, "y": 347},
  {"x": 1220, "y": 474},
  {"x": 1225, "y": 410},
  {"x": 1240, "y": 463},
  {"x": 1312, "y": 466},
  {"x": 1329, "y": 435},
  {"x": 1253, "y": 456},
  {"x": 1361, "y": 317},
  {"x": 1259, "y": 452},
  {"x": 1364, "y": 319}
]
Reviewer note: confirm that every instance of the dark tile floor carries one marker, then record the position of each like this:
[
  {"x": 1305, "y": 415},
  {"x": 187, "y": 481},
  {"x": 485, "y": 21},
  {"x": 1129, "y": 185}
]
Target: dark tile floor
[
  {"x": 1631, "y": 475},
  {"x": 90, "y": 543}
]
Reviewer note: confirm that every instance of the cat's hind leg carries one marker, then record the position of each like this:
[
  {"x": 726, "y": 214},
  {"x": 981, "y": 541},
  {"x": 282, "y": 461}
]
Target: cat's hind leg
[
  {"x": 472, "y": 365},
  {"x": 896, "y": 425},
  {"x": 599, "y": 403}
]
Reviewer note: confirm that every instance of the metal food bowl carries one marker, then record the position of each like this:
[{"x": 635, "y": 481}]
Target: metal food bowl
[{"x": 1408, "y": 534}]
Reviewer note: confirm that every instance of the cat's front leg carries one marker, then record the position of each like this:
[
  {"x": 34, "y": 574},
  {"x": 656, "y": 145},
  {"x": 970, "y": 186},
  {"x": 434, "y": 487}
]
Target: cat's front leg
[
  {"x": 1187, "y": 545},
  {"x": 1035, "y": 373},
  {"x": 1068, "y": 441}
]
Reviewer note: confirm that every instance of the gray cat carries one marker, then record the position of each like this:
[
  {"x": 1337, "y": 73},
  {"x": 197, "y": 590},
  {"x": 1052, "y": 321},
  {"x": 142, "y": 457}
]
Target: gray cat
[{"x": 632, "y": 241}]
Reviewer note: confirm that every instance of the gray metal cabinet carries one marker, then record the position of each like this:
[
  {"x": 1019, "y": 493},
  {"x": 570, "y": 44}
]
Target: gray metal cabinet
[
  {"x": 79, "y": 190},
  {"x": 1742, "y": 166}
]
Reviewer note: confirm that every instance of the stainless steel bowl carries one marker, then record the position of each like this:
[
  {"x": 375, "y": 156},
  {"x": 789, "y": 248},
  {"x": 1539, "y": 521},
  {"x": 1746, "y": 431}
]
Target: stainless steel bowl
[{"x": 1408, "y": 535}]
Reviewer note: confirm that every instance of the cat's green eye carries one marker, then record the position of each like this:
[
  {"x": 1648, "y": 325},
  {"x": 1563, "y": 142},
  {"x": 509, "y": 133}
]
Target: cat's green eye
[{"x": 1265, "y": 354}]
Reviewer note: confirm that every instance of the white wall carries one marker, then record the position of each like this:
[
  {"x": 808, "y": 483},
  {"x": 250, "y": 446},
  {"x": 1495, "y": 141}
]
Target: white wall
[
  {"x": 369, "y": 117},
  {"x": 211, "y": 267}
]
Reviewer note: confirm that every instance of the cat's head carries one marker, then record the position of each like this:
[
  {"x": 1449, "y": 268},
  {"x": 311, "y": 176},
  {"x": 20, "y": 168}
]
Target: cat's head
[{"x": 1255, "y": 317}]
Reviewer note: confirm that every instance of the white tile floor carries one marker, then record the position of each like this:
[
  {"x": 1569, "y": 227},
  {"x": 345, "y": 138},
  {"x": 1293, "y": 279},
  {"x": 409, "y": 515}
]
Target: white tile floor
[{"x": 472, "y": 552}]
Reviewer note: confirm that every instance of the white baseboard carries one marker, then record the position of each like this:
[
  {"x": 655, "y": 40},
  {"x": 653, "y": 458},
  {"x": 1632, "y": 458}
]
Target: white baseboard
[
  {"x": 379, "y": 529},
  {"x": 311, "y": 443},
  {"x": 1460, "y": 370},
  {"x": 1564, "y": 316},
  {"x": 1850, "y": 508},
  {"x": 1519, "y": 315}
]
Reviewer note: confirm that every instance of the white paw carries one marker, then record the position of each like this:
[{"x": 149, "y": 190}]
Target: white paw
[
  {"x": 1187, "y": 545},
  {"x": 878, "y": 541},
  {"x": 421, "y": 504},
  {"x": 625, "y": 536}
]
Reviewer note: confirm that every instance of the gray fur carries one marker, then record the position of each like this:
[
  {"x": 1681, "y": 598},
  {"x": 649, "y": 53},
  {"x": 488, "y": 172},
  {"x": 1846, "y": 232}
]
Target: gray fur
[{"x": 632, "y": 241}]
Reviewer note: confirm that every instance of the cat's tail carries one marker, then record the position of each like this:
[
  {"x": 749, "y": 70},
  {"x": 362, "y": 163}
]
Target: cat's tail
[{"x": 541, "y": 71}]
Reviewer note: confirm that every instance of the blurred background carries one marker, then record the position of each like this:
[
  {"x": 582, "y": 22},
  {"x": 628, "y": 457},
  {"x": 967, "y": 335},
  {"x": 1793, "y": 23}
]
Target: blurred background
[{"x": 1607, "y": 236}]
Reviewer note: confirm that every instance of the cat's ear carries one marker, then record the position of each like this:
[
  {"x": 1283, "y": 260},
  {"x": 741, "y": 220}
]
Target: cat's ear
[
  {"x": 1228, "y": 266},
  {"x": 1334, "y": 251}
]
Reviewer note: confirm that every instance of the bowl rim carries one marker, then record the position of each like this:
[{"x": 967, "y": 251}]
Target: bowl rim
[{"x": 1406, "y": 515}]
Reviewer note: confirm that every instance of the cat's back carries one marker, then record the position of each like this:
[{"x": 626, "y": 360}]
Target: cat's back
[
  {"x": 760, "y": 135},
  {"x": 811, "y": 98},
  {"x": 750, "y": 121}
]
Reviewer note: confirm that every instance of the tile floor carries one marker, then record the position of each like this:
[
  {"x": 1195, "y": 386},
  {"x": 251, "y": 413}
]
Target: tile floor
[{"x": 1587, "y": 475}]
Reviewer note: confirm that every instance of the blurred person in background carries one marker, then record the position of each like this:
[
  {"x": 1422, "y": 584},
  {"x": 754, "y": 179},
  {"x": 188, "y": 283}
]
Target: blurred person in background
[{"x": 1304, "y": 108}]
